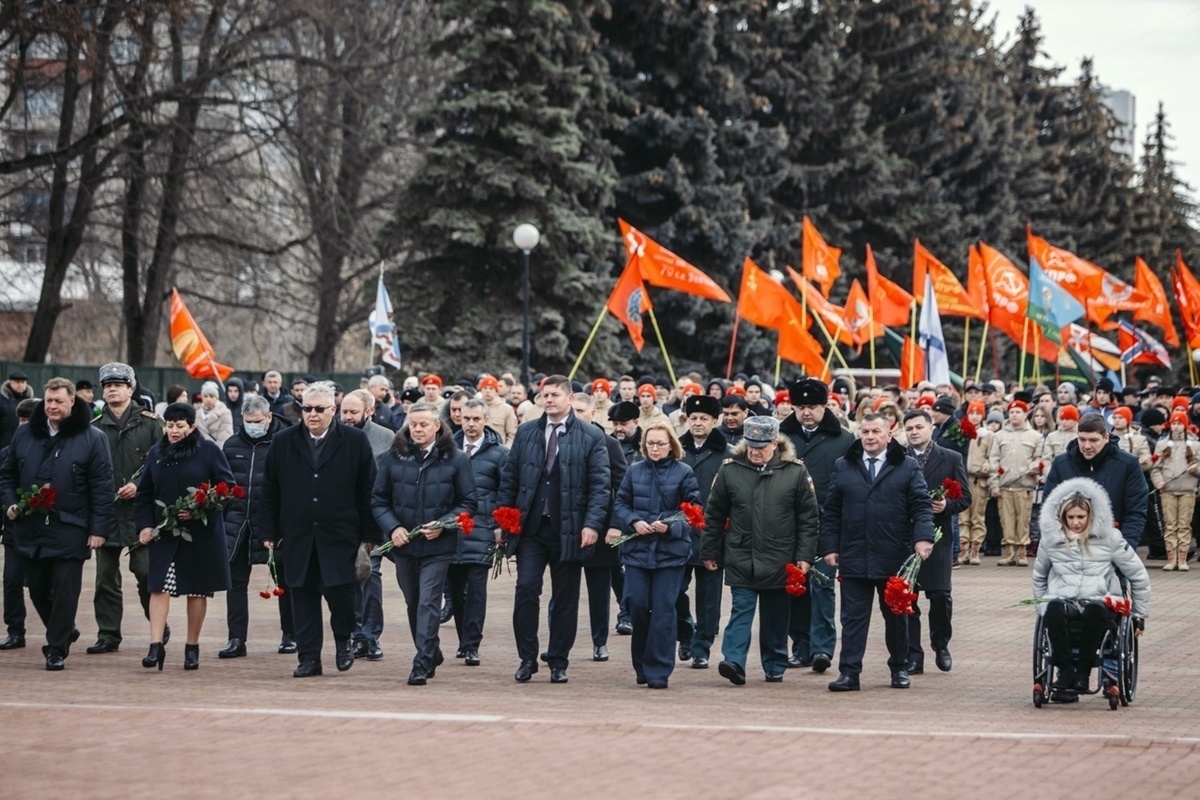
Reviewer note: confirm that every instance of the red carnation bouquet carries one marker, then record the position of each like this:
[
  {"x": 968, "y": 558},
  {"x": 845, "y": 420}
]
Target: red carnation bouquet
[
  {"x": 691, "y": 513},
  {"x": 508, "y": 518},
  {"x": 900, "y": 591},
  {"x": 273, "y": 588},
  {"x": 949, "y": 490},
  {"x": 797, "y": 581},
  {"x": 462, "y": 520},
  {"x": 199, "y": 502},
  {"x": 38, "y": 500},
  {"x": 968, "y": 429},
  {"x": 1121, "y": 606}
]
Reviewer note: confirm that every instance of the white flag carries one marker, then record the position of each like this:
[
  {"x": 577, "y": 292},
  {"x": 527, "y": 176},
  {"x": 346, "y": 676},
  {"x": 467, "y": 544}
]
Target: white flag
[
  {"x": 382, "y": 331},
  {"x": 929, "y": 334}
]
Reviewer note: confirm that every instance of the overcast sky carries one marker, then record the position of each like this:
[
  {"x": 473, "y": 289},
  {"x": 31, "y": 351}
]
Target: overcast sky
[{"x": 1148, "y": 47}]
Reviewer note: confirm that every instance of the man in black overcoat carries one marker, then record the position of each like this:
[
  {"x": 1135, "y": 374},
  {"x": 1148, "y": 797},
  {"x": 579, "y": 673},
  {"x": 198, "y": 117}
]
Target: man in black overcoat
[
  {"x": 937, "y": 465},
  {"x": 316, "y": 512}
]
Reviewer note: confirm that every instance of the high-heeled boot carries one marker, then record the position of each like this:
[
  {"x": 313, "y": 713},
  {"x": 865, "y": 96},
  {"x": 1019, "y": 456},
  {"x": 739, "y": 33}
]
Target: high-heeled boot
[
  {"x": 191, "y": 656},
  {"x": 156, "y": 656}
]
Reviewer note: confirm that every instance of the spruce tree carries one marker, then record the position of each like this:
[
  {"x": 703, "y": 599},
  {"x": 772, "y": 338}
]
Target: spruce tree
[{"x": 1164, "y": 213}]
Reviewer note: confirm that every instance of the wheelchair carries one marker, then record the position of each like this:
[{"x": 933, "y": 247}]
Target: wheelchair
[{"x": 1115, "y": 670}]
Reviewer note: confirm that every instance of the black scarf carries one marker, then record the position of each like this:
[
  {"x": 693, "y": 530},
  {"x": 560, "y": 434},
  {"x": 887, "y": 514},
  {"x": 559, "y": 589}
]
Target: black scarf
[{"x": 180, "y": 451}]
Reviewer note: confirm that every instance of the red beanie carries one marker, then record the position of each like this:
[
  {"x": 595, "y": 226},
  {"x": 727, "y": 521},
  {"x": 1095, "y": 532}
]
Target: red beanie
[
  {"x": 1069, "y": 412},
  {"x": 976, "y": 407},
  {"x": 602, "y": 383},
  {"x": 1179, "y": 416},
  {"x": 1021, "y": 404},
  {"x": 1126, "y": 412}
]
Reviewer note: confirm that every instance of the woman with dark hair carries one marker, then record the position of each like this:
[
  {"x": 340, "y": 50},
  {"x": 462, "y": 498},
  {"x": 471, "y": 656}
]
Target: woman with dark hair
[
  {"x": 189, "y": 560},
  {"x": 234, "y": 393},
  {"x": 175, "y": 394}
]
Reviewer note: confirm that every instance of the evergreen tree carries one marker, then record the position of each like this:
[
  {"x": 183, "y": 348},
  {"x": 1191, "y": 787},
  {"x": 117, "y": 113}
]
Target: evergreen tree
[
  {"x": 515, "y": 137},
  {"x": 1164, "y": 213}
]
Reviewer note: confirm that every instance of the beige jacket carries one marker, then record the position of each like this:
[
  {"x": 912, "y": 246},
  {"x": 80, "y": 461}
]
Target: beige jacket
[
  {"x": 1056, "y": 444},
  {"x": 1136, "y": 445},
  {"x": 1015, "y": 450},
  {"x": 977, "y": 454},
  {"x": 1174, "y": 457},
  {"x": 656, "y": 415},
  {"x": 503, "y": 420}
]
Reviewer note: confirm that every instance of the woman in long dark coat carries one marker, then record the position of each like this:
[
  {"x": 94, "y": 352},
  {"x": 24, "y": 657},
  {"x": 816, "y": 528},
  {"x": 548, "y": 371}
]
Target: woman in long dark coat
[{"x": 194, "y": 569}]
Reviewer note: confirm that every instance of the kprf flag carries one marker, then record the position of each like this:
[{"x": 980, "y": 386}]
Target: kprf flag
[
  {"x": 1050, "y": 305},
  {"x": 629, "y": 301},
  {"x": 818, "y": 260},
  {"x": 383, "y": 333},
  {"x": 1008, "y": 301},
  {"x": 891, "y": 304},
  {"x": 660, "y": 267},
  {"x": 1156, "y": 311},
  {"x": 1139, "y": 347},
  {"x": 833, "y": 316},
  {"x": 765, "y": 302},
  {"x": 191, "y": 345},
  {"x": 1187, "y": 296},
  {"x": 929, "y": 330},
  {"x": 1101, "y": 294},
  {"x": 858, "y": 315},
  {"x": 953, "y": 300}
]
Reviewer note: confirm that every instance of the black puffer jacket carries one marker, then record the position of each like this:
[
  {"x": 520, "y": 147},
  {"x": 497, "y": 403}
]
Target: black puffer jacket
[
  {"x": 650, "y": 491},
  {"x": 411, "y": 491},
  {"x": 704, "y": 462},
  {"x": 247, "y": 458},
  {"x": 819, "y": 452},
  {"x": 486, "y": 465},
  {"x": 77, "y": 464}
]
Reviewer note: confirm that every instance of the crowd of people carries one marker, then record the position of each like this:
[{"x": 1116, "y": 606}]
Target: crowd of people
[{"x": 799, "y": 484}]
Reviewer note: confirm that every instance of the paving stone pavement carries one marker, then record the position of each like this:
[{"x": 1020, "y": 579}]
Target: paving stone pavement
[{"x": 105, "y": 727}]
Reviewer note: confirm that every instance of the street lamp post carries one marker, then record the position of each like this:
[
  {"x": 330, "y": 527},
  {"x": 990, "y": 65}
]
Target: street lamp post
[{"x": 525, "y": 237}]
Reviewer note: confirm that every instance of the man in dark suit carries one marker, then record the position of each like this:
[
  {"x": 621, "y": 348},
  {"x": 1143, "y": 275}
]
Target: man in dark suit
[
  {"x": 316, "y": 507},
  {"x": 557, "y": 475},
  {"x": 938, "y": 464},
  {"x": 876, "y": 513}
]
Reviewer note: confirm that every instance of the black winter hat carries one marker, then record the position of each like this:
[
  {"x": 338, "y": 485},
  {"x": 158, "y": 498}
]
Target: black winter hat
[
  {"x": 623, "y": 412},
  {"x": 702, "y": 404},
  {"x": 809, "y": 392}
]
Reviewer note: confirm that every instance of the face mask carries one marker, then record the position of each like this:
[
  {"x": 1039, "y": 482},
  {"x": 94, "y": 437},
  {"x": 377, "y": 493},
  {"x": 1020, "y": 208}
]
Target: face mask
[{"x": 255, "y": 430}]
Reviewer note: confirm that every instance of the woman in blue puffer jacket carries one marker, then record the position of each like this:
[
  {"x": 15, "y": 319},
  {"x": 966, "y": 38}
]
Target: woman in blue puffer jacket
[{"x": 655, "y": 559}]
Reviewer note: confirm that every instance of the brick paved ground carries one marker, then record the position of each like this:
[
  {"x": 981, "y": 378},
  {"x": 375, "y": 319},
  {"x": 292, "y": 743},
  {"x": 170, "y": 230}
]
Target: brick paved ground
[{"x": 105, "y": 727}]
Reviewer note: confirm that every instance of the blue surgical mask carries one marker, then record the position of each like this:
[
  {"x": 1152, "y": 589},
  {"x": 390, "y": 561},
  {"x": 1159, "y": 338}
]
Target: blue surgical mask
[{"x": 255, "y": 430}]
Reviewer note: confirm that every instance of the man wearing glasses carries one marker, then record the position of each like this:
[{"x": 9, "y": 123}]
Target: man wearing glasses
[{"x": 316, "y": 512}]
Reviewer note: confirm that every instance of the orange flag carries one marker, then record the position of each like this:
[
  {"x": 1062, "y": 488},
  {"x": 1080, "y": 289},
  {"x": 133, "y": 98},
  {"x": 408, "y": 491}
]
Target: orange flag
[
  {"x": 818, "y": 260},
  {"x": 952, "y": 299},
  {"x": 858, "y": 315},
  {"x": 660, "y": 267},
  {"x": 977, "y": 281},
  {"x": 912, "y": 363},
  {"x": 1102, "y": 294},
  {"x": 833, "y": 316},
  {"x": 1008, "y": 300},
  {"x": 799, "y": 347},
  {"x": 191, "y": 346},
  {"x": 891, "y": 303},
  {"x": 1187, "y": 296},
  {"x": 629, "y": 301},
  {"x": 765, "y": 302},
  {"x": 1156, "y": 311}
]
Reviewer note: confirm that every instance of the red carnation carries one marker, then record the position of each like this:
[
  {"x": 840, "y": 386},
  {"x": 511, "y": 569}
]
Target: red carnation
[
  {"x": 277, "y": 591},
  {"x": 898, "y": 596},
  {"x": 238, "y": 492},
  {"x": 968, "y": 428},
  {"x": 999, "y": 470},
  {"x": 1041, "y": 466},
  {"x": 509, "y": 519},
  {"x": 796, "y": 580},
  {"x": 264, "y": 594},
  {"x": 1118, "y": 606},
  {"x": 222, "y": 489},
  {"x": 953, "y": 489},
  {"x": 466, "y": 522},
  {"x": 1154, "y": 458},
  {"x": 694, "y": 514}
]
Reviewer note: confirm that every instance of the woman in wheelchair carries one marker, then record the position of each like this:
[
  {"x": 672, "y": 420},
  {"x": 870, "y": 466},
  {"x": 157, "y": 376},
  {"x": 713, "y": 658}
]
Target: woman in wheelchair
[{"x": 1075, "y": 573}]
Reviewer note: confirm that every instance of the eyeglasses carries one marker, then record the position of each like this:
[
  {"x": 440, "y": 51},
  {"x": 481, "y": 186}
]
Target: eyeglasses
[
  {"x": 657, "y": 444},
  {"x": 315, "y": 409}
]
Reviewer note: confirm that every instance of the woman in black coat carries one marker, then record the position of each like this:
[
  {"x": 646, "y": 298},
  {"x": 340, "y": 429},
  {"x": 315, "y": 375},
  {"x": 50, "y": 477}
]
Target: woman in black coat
[{"x": 175, "y": 467}]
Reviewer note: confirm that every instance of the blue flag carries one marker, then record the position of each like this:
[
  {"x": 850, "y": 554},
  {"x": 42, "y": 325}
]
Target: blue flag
[{"x": 1050, "y": 305}]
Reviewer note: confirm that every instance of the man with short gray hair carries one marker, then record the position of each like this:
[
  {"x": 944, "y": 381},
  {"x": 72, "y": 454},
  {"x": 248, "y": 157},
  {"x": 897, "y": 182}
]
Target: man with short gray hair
[{"x": 383, "y": 413}]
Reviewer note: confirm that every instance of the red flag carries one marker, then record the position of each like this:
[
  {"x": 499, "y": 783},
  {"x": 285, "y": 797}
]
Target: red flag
[
  {"x": 977, "y": 281},
  {"x": 891, "y": 303},
  {"x": 831, "y": 315},
  {"x": 1007, "y": 301},
  {"x": 1187, "y": 296},
  {"x": 858, "y": 315},
  {"x": 191, "y": 345},
  {"x": 629, "y": 301},
  {"x": 799, "y": 347},
  {"x": 1102, "y": 294},
  {"x": 952, "y": 299},
  {"x": 660, "y": 267},
  {"x": 912, "y": 363},
  {"x": 1156, "y": 311},
  {"x": 765, "y": 302},
  {"x": 818, "y": 260}
]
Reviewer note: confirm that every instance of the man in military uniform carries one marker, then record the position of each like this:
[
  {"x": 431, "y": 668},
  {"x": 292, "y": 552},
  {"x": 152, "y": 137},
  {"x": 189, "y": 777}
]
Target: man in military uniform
[{"x": 131, "y": 431}]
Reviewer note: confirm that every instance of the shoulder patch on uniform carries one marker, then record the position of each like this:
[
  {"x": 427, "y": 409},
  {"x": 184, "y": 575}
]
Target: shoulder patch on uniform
[
  {"x": 148, "y": 413},
  {"x": 727, "y": 461}
]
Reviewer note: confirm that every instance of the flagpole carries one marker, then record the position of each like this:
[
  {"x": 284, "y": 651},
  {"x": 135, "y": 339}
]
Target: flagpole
[
  {"x": 1024, "y": 344},
  {"x": 912, "y": 334},
  {"x": 213, "y": 366},
  {"x": 778, "y": 363},
  {"x": 982, "y": 349},
  {"x": 732, "y": 343},
  {"x": 871, "y": 333},
  {"x": 588, "y": 343},
  {"x": 662, "y": 346},
  {"x": 832, "y": 349},
  {"x": 1037, "y": 354},
  {"x": 832, "y": 342}
]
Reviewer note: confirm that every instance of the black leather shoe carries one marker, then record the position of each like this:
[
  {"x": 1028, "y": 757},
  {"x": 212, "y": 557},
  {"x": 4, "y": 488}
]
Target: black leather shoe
[
  {"x": 658, "y": 684},
  {"x": 844, "y": 683},
  {"x": 155, "y": 657},
  {"x": 54, "y": 662},
  {"x": 545, "y": 657},
  {"x": 641, "y": 680},
  {"x": 699, "y": 662},
  {"x": 103, "y": 646},
  {"x": 944, "y": 662},
  {"x": 75, "y": 636},
  {"x": 287, "y": 644},
  {"x": 447, "y": 613},
  {"x": 13, "y": 642},
  {"x": 732, "y": 672},
  {"x": 417, "y": 677},
  {"x": 191, "y": 656},
  {"x": 360, "y": 648},
  {"x": 374, "y": 651},
  {"x": 796, "y": 662},
  {"x": 685, "y": 652},
  {"x": 471, "y": 659},
  {"x": 821, "y": 662},
  {"x": 344, "y": 656},
  {"x": 558, "y": 674},
  {"x": 915, "y": 668},
  {"x": 900, "y": 679},
  {"x": 235, "y": 649},
  {"x": 307, "y": 669},
  {"x": 774, "y": 677},
  {"x": 525, "y": 671},
  {"x": 460, "y": 653},
  {"x": 625, "y": 628},
  {"x": 600, "y": 653}
]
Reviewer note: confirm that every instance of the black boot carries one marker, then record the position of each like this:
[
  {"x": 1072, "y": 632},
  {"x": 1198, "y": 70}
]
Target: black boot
[
  {"x": 191, "y": 656},
  {"x": 156, "y": 656}
]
